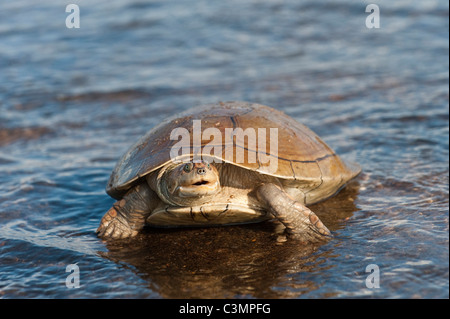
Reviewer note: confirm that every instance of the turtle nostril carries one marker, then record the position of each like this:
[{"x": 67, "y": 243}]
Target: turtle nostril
[{"x": 201, "y": 171}]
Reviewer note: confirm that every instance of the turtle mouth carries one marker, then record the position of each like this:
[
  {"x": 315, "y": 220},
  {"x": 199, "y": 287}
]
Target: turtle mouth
[
  {"x": 197, "y": 189},
  {"x": 201, "y": 183}
]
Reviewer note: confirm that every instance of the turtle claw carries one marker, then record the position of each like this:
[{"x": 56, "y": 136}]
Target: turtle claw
[
  {"x": 315, "y": 224},
  {"x": 300, "y": 222},
  {"x": 114, "y": 226}
]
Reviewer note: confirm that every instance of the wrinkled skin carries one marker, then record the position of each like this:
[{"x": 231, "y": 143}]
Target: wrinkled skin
[
  {"x": 190, "y": 184},
  {"x": 186, "y": 188}
]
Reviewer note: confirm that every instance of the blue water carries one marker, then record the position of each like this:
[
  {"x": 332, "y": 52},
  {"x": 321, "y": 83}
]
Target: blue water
[{"x": 73, "y": 100}]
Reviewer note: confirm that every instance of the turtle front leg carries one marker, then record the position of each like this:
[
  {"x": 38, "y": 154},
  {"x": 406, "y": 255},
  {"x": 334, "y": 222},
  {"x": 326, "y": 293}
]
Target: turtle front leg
[
  {"x": 127, "y": 216},
  {"x": 299, "y": 220}
]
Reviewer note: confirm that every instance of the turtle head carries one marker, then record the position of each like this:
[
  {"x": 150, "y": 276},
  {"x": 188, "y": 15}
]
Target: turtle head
[{"x": 188, "y": 184}]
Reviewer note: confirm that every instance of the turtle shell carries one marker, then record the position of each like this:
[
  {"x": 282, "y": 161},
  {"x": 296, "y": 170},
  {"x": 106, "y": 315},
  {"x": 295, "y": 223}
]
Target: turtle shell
[{"x": 300, "y": 156}]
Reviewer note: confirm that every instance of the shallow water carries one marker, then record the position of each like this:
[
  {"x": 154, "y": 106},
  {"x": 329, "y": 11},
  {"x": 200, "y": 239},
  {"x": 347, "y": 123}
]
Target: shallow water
[{"x": 73, "y": 100}]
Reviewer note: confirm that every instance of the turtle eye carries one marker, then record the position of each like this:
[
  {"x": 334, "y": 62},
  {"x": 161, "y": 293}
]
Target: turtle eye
[
  {"x": 187, "y": 168},
  {"x": 206, "y": 164}
]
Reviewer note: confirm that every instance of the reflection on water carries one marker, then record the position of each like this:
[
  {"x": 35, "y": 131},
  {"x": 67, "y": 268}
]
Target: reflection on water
[
  {"x": 229, "y": 262},
  {"x": 218, "y": 263},
  {"x": 72, "y": 101}
]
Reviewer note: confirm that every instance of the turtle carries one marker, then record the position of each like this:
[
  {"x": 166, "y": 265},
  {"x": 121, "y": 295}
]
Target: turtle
[{"x": 165, "y": 181}]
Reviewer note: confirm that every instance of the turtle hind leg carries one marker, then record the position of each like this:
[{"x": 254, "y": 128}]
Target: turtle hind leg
[
  {"x": 300, "y": 222},
  {"x": 127, "y": 216}
]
